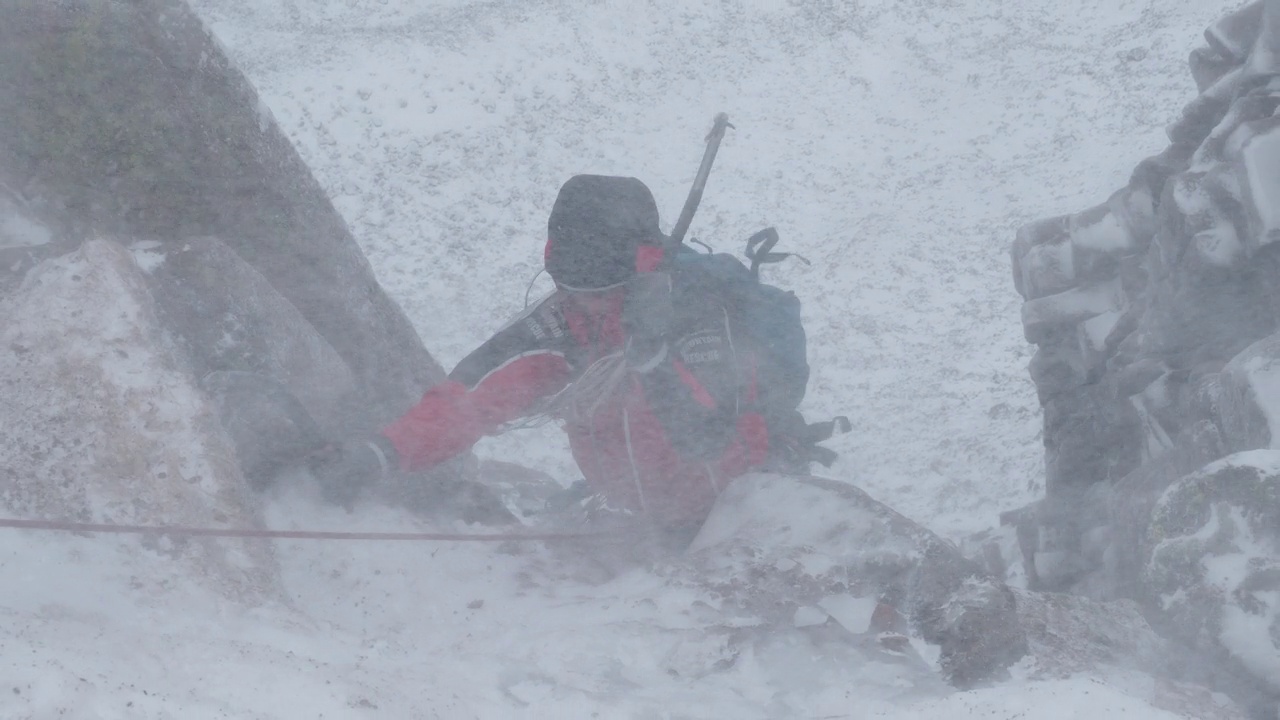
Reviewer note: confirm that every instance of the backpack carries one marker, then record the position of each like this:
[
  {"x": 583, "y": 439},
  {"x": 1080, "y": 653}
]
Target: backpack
[{"x": 768, "y": 319}]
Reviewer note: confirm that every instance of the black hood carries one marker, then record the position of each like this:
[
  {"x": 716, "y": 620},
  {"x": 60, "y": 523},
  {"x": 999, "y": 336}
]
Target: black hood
[{"x": 595, "y": 227}]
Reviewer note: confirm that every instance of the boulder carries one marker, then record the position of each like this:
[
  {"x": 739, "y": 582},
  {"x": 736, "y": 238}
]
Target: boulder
[
  {"x": 105, "y": 424},
  {"x": 847, "y": 556},
  {"x": 128, "y": 120},
  {"x": 228, "y": 317},
  {"x": 1213, "y": 563}
]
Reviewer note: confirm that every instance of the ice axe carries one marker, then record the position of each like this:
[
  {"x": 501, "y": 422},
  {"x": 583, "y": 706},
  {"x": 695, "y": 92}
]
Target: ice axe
[{"x": 718, "y": 128}]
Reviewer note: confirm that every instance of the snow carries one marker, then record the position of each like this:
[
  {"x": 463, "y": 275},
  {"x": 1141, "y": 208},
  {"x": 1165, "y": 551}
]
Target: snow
[
  {"x": 853, "y": 613},
  {"x": 17, "y": 230},
  {"x": 1258, "y": 157},
  {"x": 1075, "y": 305},
  {"x": 897, "y": 145},
  {"x": 1106, "y": 234},
  {"x": 147, "y": 254},
  {"x": 1263, "y": 378},
  {"x": 1076, "y": 699},
  {"x": 1237, "y": 556}
]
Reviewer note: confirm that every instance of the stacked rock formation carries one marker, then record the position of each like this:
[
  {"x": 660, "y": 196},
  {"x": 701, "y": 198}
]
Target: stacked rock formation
[{"x": 1155, "y": 315}]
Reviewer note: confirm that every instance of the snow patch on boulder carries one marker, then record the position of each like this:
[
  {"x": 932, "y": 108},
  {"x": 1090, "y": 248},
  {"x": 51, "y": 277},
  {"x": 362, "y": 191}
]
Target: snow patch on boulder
[{"x": 1215, "y": 560}]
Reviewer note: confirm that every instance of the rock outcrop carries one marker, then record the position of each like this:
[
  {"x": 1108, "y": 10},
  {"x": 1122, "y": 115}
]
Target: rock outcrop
[
  {"x": 105, "y": 424},
  {"x": 1156, "y": 316},
  {"x": 127, "y": 120},
  {"x": 777, "y": 547}
]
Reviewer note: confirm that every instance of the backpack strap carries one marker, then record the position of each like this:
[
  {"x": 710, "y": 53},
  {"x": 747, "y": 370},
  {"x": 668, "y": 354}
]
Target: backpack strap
[
  {"x": 821, "y": 432},
  {"x": 795, "y": 443},
  {"x": 760, "y": 251}
]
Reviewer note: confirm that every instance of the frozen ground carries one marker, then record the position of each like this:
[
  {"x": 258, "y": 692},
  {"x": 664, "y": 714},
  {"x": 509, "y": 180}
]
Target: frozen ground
[{"x": 896, "y": 144}]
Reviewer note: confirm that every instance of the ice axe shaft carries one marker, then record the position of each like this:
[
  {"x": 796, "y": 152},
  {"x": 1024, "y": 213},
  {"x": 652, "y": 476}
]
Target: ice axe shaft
[{"x": 718, "y": 128}]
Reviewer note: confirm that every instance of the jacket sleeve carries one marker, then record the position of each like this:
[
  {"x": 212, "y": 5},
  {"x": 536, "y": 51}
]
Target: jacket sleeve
[
  {"x": 703, "y": 393},
  {"x": 497, "y": 383}
]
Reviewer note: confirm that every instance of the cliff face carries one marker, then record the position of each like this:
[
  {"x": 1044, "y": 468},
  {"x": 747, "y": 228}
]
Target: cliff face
[{"x": 1156, "y": 314}]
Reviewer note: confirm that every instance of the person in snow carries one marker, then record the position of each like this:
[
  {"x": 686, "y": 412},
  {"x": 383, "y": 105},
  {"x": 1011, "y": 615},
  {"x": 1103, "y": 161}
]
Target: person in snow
[{"x": 656, "y": 399}]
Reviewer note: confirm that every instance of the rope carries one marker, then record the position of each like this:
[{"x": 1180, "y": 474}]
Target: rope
[
  {"x": 580, "y": 399},
  {"x": 282, "y": 534}
]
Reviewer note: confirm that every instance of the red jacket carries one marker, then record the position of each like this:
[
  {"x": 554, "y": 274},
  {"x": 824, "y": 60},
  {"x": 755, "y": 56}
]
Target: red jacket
[{"x": 663, "y": 442}]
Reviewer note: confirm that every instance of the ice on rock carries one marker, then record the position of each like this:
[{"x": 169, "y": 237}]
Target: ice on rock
[{"x": 1071, "y": 307}]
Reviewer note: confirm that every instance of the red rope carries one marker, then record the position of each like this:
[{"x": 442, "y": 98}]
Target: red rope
[{"x": 290, "y": 534}]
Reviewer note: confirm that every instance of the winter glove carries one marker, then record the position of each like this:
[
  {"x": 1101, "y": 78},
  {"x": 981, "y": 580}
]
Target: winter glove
[
  {"x": 646, "y": 319},
  {"x": 344, "y": 471}
]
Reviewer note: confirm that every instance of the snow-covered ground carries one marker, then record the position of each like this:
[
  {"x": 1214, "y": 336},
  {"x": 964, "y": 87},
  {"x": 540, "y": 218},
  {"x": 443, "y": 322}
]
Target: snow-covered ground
[{"x": 896, "y": 144}]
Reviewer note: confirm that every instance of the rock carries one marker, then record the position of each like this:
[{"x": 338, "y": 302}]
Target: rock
[
  {"x": 850, "y": 549},
  {"x": 104, "y": 424},
  {"x": 1069, "y": 634},
  {"x": 1132, "y": 501},
  {"x": 230, "y": 318},
  {"x": 128, "y": 120},
  {"x": 1249, "y": 398},
  {"x": 1213, "y": 568},
  {"x": 1156, "y": 315},
  {"x": 1233, "y": 36},
  {"x": 269, "y": 427},
  {"x": 525, "y": 490}
]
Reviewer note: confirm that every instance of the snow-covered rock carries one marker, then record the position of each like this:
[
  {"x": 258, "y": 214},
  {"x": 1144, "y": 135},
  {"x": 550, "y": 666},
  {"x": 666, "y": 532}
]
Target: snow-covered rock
[
  {"x": 794, "y": 550},
  {"x": 129, "y": 120},
  {"x": 229, "y": 316},
  {"x": 104, "y": 424},
  {"x": 1155, "y": 314}
]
